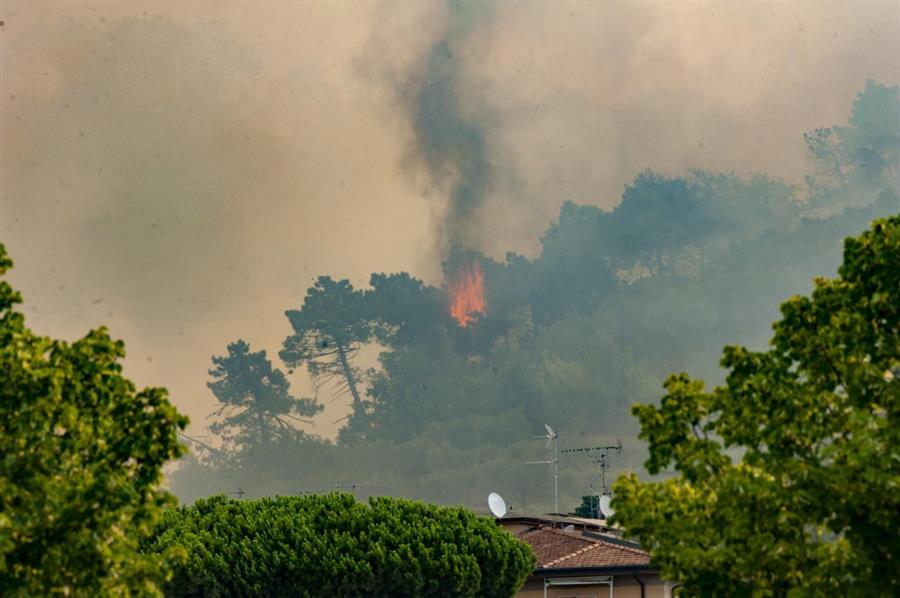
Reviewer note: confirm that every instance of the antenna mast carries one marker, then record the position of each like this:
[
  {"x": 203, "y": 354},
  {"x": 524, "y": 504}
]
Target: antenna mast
[
  {"x": 601, "y": 460},
  {"x": 552, "y": 438}
]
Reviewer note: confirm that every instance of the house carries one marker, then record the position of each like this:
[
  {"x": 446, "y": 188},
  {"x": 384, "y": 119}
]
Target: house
[{"x": 582, "y": 558}]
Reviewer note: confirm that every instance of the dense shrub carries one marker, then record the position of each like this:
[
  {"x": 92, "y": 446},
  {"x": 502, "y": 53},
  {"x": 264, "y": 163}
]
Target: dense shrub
[{"x": 332, "y": 545}]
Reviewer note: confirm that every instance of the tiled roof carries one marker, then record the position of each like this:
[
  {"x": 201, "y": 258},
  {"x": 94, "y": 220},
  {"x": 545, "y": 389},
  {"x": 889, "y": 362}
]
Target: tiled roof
[{"x": 556, "y": 548}]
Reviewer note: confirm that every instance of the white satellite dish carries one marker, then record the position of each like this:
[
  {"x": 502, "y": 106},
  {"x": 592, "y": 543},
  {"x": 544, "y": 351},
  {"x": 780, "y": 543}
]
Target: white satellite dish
[
  {"x": 605, "y": 507},
  {"x": 497, "y": 505}
]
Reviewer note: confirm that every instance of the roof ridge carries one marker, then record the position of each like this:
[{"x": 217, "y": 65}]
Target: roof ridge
[
  {"x": 594, "y": 541},
  {"x": 557, "y": 547},
  {"x": 640, "y": 551},
  {"x": 567, "y": 534}
]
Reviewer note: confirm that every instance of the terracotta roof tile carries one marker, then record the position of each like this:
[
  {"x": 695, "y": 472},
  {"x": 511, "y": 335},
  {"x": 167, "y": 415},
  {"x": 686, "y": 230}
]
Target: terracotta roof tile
[{"x": 556, "y": 548}]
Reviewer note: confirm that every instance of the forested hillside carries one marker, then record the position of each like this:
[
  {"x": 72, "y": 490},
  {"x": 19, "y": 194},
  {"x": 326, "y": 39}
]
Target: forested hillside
[{"x": 470, "y": 370}]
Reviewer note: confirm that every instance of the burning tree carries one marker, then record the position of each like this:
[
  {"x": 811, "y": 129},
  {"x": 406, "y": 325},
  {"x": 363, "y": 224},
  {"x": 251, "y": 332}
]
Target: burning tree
[
  {"x": 465, "y": 286},
  {"x": 467, "y": 294}
]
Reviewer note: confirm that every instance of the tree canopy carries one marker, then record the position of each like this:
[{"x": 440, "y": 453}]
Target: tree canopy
[
  {"x": 81, "y": 452},
  {"x": 254, "y": 399},
  {"x": 329, "y": 329},
  {"x": 865, "y": 153},
  {"x": 611, "y": 303},
  {"x": 332, "y": 545},
  {"x": 789, "y": 473}
]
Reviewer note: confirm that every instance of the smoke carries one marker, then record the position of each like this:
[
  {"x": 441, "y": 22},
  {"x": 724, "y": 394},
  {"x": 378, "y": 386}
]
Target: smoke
[
  {"x": 512, "y": 108},
  {"x": 452, "y": 146},
  {"x": 183, "y": 171},
  {"x": 448, "y": 120},
  {"x": 182, "y": 176}
]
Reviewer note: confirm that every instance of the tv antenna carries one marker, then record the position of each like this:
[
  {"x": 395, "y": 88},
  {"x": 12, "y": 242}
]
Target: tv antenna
[
  {"x": 239, "y": 493},
  {"x": 497, "y": 505},
  {"x": 351, "y": 487},
  {"x": 552, "y": 438},
  {"x": 600, "y": 456}
]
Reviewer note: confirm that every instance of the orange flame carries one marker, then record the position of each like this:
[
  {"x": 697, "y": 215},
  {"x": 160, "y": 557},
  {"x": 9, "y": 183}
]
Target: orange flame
[{"x": 467, "y": 294}]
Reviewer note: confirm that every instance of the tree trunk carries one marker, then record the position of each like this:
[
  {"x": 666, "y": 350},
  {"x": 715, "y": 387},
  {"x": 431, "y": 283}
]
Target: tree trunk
[
  {"x": 263, "y": 430},
  {"x": 348, "y": 374}
]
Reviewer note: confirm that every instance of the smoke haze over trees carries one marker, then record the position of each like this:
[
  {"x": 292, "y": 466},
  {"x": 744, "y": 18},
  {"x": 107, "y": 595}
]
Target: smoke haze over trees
[
  {"x": 614, "y": 301},
  {"x": 181, "y": 171},
  {"x": 631, "y": 179}
]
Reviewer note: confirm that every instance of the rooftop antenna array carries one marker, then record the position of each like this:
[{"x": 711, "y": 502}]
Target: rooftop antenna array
[
  {"x": 600, "y": 456},
  {"x": 552, "y": 439}
]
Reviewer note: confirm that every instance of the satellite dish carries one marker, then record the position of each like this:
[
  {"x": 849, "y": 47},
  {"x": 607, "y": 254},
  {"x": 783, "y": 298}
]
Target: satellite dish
[
  {"x": 497, "y": 505},
  {"x": 605, "y": 507}
]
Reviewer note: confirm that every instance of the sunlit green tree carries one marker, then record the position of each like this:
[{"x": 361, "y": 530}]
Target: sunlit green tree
[
  {"x": 81, "y": 452},
  {"x": 789, "y": 473}
]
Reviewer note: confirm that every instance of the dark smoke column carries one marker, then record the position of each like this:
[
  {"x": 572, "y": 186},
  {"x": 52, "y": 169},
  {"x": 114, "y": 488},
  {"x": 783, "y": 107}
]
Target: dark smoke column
[{"x": 450, "y": 141}]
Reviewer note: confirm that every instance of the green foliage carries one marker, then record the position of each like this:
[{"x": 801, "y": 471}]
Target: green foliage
[
  {"x": 864, "y": 154},
  {"x": 589, "y": 507},
  {"x": 328, "y": 332},
  {"x": 574, "y": 271},
  {"x": 81, "y": 452},
  {"x": 255, "y": 399},
  {"x": 809, "y": 503},
  {"x": 659, "y": 214},
  {"x": 405, "y": 310},
  {"x": 745, "y": 208},
  {"x": 873, "y": 137},
  {"x": 331, "y": 545}
]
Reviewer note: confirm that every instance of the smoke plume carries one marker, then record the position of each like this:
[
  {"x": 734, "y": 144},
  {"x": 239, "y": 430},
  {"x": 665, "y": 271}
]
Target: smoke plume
[{"x": 448, "y": 121}]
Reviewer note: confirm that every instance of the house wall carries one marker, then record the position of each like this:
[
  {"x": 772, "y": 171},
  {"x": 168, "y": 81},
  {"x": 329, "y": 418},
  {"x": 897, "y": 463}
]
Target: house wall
[{"x": 624, "y": 586}]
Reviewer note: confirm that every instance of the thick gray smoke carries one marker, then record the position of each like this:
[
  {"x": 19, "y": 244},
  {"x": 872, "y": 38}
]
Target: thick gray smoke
[
  {"x": 448, "y": 124},
  {"x": 512, "y": 108},
  {"x": 452, "y": 146}
]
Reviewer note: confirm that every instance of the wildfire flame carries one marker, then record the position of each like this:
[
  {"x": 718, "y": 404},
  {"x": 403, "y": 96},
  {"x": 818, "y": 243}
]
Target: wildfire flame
[{"x": 467, "y": 294}]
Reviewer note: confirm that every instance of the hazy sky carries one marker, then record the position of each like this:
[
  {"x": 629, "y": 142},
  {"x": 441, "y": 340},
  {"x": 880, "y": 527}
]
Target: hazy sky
[{"x": 183, "y": 171}]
